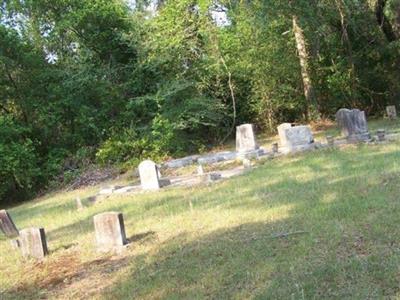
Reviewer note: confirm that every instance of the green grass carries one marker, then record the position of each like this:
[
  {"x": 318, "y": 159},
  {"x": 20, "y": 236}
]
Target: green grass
[{"x": 219, "y": 241}]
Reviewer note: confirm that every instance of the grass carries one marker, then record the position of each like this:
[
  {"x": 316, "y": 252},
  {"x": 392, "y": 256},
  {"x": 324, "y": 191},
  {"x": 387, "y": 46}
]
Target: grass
[{"x": 222, "y": 241}]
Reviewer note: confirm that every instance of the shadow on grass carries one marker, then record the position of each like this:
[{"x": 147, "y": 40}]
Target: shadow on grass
[
  {"x": 346, "y": 201},
  {"x": 348, "y": 209}
]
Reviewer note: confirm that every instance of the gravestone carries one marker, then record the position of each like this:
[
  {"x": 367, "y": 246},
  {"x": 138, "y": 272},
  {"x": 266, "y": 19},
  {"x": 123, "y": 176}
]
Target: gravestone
[
  {"x": 33, "y": 242},
  {"x": 245, "y": 138},
  {"x": 275, "y": 148},
  {"x": 149, "y": 175},
  {"x": 381, "y": 134},
  {"x": 7, "y": 225},
  {"x": 391, "y": 112},
  {"x": 353, "y": 124},
  {"x": 330, "y": 140},
  {"x": 110, "y": 231},
  {"x": 295, "y": 138}
]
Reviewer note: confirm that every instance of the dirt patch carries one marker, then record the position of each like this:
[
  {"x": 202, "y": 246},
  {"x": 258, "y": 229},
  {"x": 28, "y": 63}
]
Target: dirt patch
[
  {"x": 93, "y": 177},
  {"x": 66, "y": 276}
]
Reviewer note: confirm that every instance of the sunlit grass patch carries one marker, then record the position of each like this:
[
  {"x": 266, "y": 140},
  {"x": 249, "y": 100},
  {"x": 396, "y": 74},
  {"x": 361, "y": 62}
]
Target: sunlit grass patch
[{"x": 322, "y": 224}]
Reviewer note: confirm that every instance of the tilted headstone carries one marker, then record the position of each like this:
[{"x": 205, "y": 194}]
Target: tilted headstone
[
  {"x": 245, "y": 138},
  {"x": 110, "y": 231},
  {"x": 149, "y": 175},
  {"x": 391, "y": 112},
  {"x": 33, "y": 242},
  {"x": 295, "y": 137},
  {"x": 7, "y": 225},
  {"x": 353, "y": 124}
]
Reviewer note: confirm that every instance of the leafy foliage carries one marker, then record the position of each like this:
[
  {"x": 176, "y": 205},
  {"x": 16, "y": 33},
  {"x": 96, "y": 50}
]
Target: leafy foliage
[{"x": 131, "y": 83}]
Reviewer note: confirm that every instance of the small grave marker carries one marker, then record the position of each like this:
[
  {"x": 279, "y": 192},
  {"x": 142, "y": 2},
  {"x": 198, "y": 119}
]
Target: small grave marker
[
  {"x": 110, "y": 231},
  {"x": 391, "y": 112},
  {"x": 245, "y": 138},
  {"x": 149, "y": 175},
  {"x": 7, "y": 225},
  {"x": 33, "y": 242}
]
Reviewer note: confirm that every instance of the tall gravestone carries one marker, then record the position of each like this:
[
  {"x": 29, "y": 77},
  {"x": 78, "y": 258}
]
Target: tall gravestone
[
  {"x": 245, "y": 138},
  {"x": 149, "y": 175},
  {"x": 33, "y": 242},
  {"x": 109, "y": 231},
  {"x": 295, "y": 138},
  {"x": 391, "y": 112},
  {"x": 353, "y": 124},
  {"x": 7, "y": 225}
]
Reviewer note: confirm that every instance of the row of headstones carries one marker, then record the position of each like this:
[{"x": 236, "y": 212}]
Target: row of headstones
[
  {"x": 109, "y": 233},
  {"x": 353, "y": 124}
]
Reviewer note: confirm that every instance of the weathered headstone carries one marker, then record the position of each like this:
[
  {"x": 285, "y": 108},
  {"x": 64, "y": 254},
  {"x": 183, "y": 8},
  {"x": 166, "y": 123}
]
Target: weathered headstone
[
  {"x": 381, "y": 134},
  {"x": 245, "y": 138},
  {"x": 33, "y": 242},
  {"x": 247, "y": 163},
  {"x": 200, "y": 170},
  {"x": 295, "y": 138},
  {"x": 353, "y": 124},
  {"x": 275, "y": 148},
  {"x": 149, "y": 175},
  {"x": 391, "y": 112},
  {"x": 7, "y": 225},
  {"x": 79, "y": 205},
  {"x": 330, "y": 140},
  {"x": 110, "y": 231}
]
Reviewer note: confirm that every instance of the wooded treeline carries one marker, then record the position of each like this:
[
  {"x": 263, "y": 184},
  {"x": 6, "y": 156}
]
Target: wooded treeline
[{"x": 107, "y": 81}]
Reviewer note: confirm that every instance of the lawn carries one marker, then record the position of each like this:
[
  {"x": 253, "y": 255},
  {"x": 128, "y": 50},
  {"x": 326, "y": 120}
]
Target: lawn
[{"x": 323, "y": 224}]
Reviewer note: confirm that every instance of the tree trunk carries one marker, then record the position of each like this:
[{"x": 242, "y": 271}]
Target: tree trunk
[
  {"x": 349, "y": 49},
  {"x": 311, "y": 110},
  {"x": 383, "y": 22}
]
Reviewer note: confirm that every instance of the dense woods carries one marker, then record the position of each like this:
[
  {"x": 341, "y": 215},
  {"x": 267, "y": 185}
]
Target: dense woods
[{"x": 112, "y": 82}]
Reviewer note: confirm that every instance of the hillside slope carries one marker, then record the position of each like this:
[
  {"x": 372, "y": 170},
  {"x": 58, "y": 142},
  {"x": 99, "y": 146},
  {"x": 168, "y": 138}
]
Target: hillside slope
[{"x": 320, "y": 224}]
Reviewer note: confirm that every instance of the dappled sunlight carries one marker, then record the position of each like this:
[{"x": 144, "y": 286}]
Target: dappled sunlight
[{"x": 236, "y": 238}]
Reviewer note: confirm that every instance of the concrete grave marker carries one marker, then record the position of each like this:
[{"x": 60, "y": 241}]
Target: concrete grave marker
[
  {"x": 110, "y": 231},
  {"x": 391, "y": 112},
  {"x": 294, "y": 138},
  {"x": 149, "y": 175},
  {"x": 353, "y": 124},
  {"x": 33, "y": 242},
  {"x": 7, "y": 225},
  {"x": 245, "y": 138}
]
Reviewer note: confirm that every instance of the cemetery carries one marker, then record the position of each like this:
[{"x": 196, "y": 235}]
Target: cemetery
[
  {"x": 186, "y": 149},
  {"x": 272, "y": 207}
]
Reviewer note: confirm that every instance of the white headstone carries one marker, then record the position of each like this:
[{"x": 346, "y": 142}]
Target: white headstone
[
  {"x": 245, "y": 138},
  {"x": 295, "y": 137},
  {"x": 149, "y": 175}
]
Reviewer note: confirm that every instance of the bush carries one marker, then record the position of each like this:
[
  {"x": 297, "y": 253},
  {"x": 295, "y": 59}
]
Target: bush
[{"x": 19, "y": 170}]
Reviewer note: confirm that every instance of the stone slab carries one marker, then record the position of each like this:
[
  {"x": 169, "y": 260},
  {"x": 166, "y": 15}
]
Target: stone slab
[
  {"x": 33, "y": 242},
  {"x": 110, "y": 231},
  {"x": 7, "y": 225},
  {"x": 181, "y": 162},
  {"x": 217, "y": 157}
]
